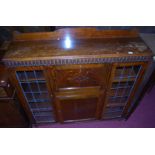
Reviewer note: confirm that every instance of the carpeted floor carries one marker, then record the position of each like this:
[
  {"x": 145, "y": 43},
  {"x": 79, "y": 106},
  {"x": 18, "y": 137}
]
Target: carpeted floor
[{"x": 143, "y": 117}]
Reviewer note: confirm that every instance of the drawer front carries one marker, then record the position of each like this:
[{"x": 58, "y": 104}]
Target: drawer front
[{"x": 91, "y": 75}]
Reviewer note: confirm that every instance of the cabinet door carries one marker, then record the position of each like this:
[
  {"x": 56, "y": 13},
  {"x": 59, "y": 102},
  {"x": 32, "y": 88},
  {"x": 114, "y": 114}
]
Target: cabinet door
[
  {"x": 78, "y": 104},
  {"x": 125, "y": 79},
  {"x": 79, "y": 90},
  {"x": 34, "y": 87}
]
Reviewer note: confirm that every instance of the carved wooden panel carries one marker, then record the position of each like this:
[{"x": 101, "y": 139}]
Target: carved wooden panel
[{"x": 80, "y": 76}]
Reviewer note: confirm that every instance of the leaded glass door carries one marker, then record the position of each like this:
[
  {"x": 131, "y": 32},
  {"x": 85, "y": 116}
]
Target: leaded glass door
[
  {"x": 125, "y": 79},
  {"x": 34, "y": 87}
]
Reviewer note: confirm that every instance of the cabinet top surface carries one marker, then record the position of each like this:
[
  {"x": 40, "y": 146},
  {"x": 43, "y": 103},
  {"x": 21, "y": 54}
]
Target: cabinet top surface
[{"x": 79, "y": 42}]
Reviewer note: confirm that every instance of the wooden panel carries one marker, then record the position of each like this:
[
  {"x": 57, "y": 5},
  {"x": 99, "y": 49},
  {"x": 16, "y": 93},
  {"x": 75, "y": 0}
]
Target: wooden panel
[
  {"x": 79, "y": 104},
  {"x": 76, "y": 93},
  {"x": 10, "y": 116},
  {"x": 75, "y": 33},
  {"x": 80, "y": 76},
  {"x": 76, "y": 109}
]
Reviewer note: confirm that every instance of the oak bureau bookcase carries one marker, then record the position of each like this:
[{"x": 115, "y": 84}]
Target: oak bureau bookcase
[{"x": 77, "y": 74}]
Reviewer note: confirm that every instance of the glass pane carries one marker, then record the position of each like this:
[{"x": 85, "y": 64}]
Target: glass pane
[
  {"x": 112, "y": 115},
  {"x": 39, "y": 75},
  {"x": 34, "y": 87},
  {"x": 40, "y": 105},
  {"x": 44, "y": 119},
  {"x": 29, "y": 96},
  {"x": 117, "y": 100},
  {"x": 42, "y": 86},
  {"x": 42, "y": 113},
  {"x": 121, "y": 91},
  {"x": 41, "y": 96},
  {"x": 116, "y": 85},
  {"x": 30, "y": 75},
  {"x": 126, "y": 73},
  {"x": 25, "y": 87},
  {"x": 21, "y": 75},
  {"x": 114, "y": 109}
]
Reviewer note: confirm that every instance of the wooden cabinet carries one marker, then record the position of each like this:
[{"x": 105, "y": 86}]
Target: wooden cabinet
[
  {"x": 87, "y": 75},
  {"x": 11, "y": 113}
]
